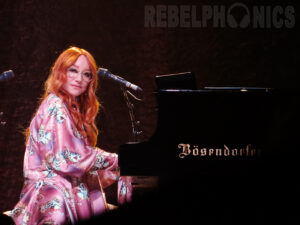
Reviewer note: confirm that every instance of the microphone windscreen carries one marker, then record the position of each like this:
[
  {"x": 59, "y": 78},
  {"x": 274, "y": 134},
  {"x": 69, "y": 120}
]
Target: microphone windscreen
[{"x": 6, "y": 75}]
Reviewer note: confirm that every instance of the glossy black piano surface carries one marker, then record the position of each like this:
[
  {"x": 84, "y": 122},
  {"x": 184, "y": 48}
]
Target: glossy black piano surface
[
  {"x": 222, "y": 156},
  {"x": 253, "y": 182},
  {"x": 228, "y": 131}
]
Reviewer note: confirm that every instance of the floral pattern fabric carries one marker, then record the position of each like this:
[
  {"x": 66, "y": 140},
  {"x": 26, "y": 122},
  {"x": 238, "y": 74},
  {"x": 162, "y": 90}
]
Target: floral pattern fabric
[{"x": 58, "y": 167}]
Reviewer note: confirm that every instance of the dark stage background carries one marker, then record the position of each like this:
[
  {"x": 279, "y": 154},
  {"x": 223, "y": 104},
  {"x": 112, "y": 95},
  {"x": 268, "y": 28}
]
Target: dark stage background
[{"x": 34, "y": 32}]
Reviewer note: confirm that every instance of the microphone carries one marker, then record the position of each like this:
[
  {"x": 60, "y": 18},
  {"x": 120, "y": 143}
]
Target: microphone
[
  {"x": 102, "y": 72},
  {"x": 6, "y": 75}
]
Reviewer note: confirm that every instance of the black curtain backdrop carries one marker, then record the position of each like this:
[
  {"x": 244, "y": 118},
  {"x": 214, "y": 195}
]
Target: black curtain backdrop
[{"x": 33, "y": 33}]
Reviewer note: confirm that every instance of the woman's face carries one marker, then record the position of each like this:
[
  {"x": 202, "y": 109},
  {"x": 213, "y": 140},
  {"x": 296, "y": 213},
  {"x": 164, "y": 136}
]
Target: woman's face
[{"x": 78, "y": 77}]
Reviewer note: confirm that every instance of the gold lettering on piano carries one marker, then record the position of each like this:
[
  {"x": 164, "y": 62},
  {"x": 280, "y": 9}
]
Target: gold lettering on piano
[
  {"x": 185, "y": 150},
  {"x": 248, "y": 151}
]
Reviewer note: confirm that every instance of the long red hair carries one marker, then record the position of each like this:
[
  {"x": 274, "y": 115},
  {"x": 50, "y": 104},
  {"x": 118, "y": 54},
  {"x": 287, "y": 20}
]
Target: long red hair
[{"x": 85, "y": 108}]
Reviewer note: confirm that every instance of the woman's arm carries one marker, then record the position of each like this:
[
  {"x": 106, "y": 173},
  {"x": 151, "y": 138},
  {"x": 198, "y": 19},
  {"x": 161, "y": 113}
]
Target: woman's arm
[{"x": 59, "y": 147}]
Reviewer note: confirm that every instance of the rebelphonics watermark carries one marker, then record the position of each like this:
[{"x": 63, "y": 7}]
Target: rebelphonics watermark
[{"x": 237, "y": 15}]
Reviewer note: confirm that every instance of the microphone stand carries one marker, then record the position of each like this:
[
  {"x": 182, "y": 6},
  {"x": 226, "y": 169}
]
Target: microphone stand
[{"x": 134, "y": 123}]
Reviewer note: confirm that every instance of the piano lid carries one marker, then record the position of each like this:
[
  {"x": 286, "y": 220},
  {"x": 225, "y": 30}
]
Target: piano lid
[{"x": 184, "y": 80}]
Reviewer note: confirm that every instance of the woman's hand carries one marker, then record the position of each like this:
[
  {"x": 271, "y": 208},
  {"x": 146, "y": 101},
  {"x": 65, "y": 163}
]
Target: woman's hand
[{"x": 91, "y": 180}]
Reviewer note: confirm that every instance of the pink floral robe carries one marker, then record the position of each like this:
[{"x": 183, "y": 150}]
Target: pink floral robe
[{"x": 58, "y": 164}]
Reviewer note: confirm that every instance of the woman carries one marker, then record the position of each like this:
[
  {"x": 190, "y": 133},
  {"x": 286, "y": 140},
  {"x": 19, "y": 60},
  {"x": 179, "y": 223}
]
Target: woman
[{"x": 61, "y": 162}]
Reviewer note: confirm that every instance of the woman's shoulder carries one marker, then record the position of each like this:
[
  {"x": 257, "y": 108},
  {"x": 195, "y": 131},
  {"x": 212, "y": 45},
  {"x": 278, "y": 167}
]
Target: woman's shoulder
[
  {"x": 52, "y": 105},
  {"x": 51, "y": 100}
]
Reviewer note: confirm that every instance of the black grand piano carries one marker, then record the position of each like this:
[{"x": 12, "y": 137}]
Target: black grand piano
[{"x": 220, "y": 155}]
